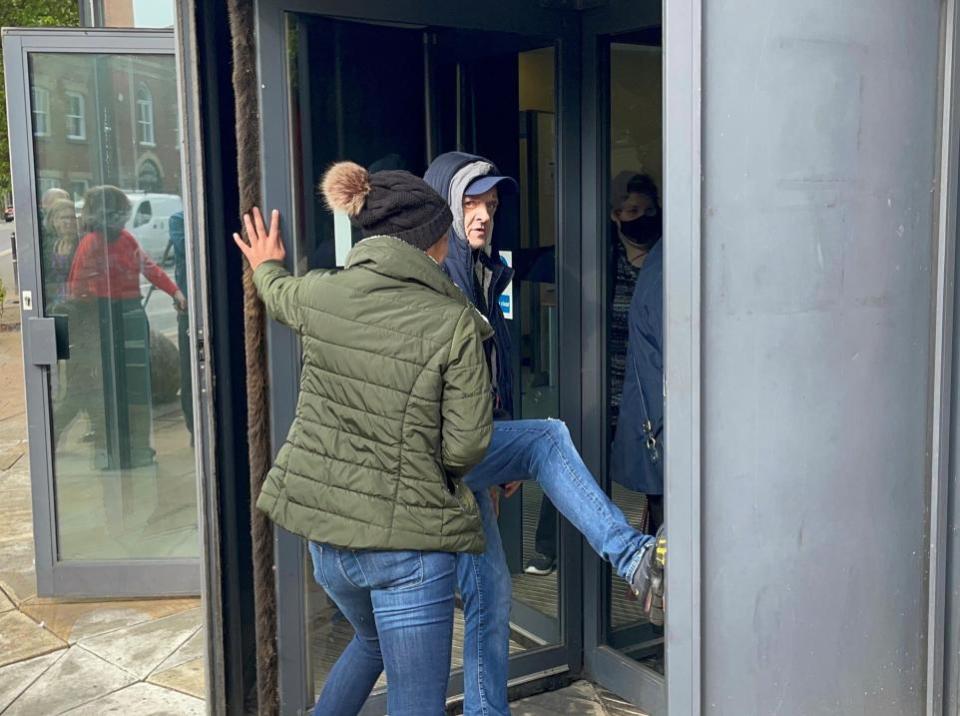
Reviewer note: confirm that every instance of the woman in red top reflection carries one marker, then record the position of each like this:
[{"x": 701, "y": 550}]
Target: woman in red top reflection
[
  {"x": 109, "y": 261},
  {"x": 104, "y": 284}
]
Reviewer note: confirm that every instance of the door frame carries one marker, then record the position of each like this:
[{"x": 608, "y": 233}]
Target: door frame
[
  {"x": 88, "y": 578},
  {"x": 284, "y": 361},
  {"x": 681, "y": 45}
]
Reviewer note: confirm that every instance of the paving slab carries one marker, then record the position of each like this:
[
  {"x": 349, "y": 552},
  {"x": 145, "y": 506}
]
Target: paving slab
[
  {"x": 188, "y": 677},
  {"x": 22, "y": 638},
  {"x": 16, "y": 517},
  {"x": 16, "y": 678},
  {"x": 76, "y": 679},
  {"x": 17, "y": 477},
  {"x": 580, "y": 698},
  {"x": 18, "y": 577},
  {"x": 10, "y": 457},
  {"x": 5, "y": 604},
  {"x": 194, "y": 648},
  {"x": 141, "y": 648},
  {"x": 144, "y": 700},
  {"x": 74, "y": 621}
]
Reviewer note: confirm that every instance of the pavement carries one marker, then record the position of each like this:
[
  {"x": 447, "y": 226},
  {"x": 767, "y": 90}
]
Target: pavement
[
  {"x": 6, "y": 256},
  {"x": 79, "y": 657}
]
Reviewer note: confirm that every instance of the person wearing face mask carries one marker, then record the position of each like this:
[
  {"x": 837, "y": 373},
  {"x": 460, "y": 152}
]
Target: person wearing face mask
[
  {"x": 637, "y": 453},
  {"x": 635, "y": 224}
]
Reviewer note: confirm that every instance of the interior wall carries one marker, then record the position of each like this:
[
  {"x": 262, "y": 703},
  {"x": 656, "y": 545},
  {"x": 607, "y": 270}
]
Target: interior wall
[
  {"x": 536, "y": 69},
  {"x": 636, "y": 101}
]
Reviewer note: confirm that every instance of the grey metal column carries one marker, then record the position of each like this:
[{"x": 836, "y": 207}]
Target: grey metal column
[{"x": 820, "y": 160}]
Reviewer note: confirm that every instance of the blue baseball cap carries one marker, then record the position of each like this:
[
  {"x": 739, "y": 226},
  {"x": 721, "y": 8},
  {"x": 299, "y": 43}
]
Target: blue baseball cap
[{"x": 480, "y": 185}]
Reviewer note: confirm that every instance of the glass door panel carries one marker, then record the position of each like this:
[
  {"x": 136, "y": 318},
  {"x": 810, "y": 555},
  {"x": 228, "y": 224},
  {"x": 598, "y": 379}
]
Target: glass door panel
[
  {"x": 623, "y": 129},
  {"x": 489, "y": 93},
  {"x": 115, "y": 488},
  {"x": 633, "y": 316}
]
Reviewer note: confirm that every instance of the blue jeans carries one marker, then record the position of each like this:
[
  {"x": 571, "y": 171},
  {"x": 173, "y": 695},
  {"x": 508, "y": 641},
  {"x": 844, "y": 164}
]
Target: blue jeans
[
  {"x": 401, "y": 606},
  {"x": 540, "y": 450}
]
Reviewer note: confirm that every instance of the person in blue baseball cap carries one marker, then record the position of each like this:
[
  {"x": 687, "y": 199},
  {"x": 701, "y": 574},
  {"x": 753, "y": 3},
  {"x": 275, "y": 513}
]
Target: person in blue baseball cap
[{"x": 540, "y": 450}]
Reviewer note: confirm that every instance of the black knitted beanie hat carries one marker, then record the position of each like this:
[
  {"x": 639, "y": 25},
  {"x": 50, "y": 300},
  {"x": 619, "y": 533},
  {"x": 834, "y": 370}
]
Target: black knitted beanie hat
[{"x": 391, "y": 203}]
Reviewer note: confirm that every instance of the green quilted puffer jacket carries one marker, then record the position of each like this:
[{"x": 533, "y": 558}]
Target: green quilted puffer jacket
[{"x": 394, "y": 403}]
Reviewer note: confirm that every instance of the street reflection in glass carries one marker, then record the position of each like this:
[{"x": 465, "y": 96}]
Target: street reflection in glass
[{"x": 113, "y": 263}]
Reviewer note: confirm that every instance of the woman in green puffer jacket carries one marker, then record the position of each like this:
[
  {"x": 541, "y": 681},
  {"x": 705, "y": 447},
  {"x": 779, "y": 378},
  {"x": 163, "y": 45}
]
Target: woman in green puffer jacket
[{"x": 394, "y": 409}]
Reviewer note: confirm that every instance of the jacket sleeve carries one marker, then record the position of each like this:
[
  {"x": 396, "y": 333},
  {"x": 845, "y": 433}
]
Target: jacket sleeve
[
  {"x": 466, "y": 408},
  {"x": 155, "y": 275},
  {"x": 279, "y": 292},
  {"x": 78, "y": 280}
]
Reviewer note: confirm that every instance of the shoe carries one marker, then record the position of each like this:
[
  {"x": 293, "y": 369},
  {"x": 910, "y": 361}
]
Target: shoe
[
  {"x": 647, "y": 583},
  {"x": 541, "y": 565}
]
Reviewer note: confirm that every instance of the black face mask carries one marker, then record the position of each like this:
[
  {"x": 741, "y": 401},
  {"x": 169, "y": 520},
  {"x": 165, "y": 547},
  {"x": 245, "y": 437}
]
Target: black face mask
[{"x": 644, "y": 230}]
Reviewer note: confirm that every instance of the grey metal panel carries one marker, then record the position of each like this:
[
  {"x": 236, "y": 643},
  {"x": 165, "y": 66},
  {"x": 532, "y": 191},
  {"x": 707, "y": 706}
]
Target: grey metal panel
[
  {"x": 39, "y": 341},
  {"x": 819, "y": 166},
  {"x": 568, "y": 208},
  {"x": 682, "y": 326},
  {"x": 283, "y": 352},
  {"x": 126, "y": 578},
  {"x": 201, "y": 374},
  {"x": 938, "y": 685},
  {"x": 38, "y": 428}
]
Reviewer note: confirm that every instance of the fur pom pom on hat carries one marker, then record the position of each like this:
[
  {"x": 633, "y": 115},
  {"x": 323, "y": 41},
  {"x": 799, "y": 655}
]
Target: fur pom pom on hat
[
  {"x": 390, "y": 203},
  {"x": 345, "y": 187}
]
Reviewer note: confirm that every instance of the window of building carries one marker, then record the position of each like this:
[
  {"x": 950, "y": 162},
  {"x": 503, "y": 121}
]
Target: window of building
[
  {"x": 40, "y": 99},
  {"x": 148, "y": 176},
  {"x": 78, "y": 188},
  {"x": 45, "y": 184},
  {"x": 145, "y": 126},
  {"x": 76, "y": 116}
]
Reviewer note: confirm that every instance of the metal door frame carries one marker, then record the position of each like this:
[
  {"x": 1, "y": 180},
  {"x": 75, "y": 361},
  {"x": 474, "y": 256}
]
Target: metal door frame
[
  {"x": 118, "y": 578},
  {"x": 284, "y": 361},
  {"x": 681, "y": 205}
]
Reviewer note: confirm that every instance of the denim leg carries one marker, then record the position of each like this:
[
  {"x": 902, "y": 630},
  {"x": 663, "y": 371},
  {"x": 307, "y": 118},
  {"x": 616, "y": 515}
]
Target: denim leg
[
  {"x": 543, "y": 450},
  {"x": 486, "y": 588},
  {"x": 507, "y": 459},
  {"x": 415, "y": 622},
  {"x": 359, "y": 666},
  {"x": 576, "y": 494}
]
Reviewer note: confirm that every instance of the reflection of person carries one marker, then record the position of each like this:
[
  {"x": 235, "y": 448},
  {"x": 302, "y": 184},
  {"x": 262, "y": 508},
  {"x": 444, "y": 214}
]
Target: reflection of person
[
  {"x": 520, "y": 450},
  {"x": 394, "y": 409},
  {"x": 51, "y": 196},
  {"x": 109, "y": 261},
  {"x": 60, "y": 236},
  {"x": 178, "y": 242},
  {"x": 106, "y": 272},
  {"x": 637, "y": 453}
]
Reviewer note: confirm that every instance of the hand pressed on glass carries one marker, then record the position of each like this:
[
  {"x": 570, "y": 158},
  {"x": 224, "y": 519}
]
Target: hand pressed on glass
[{"x": 265, "y": 244}]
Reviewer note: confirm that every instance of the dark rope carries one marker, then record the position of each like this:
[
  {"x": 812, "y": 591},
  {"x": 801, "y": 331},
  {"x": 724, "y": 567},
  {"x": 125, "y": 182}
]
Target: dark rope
[{"x": 246, "y": 93}]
